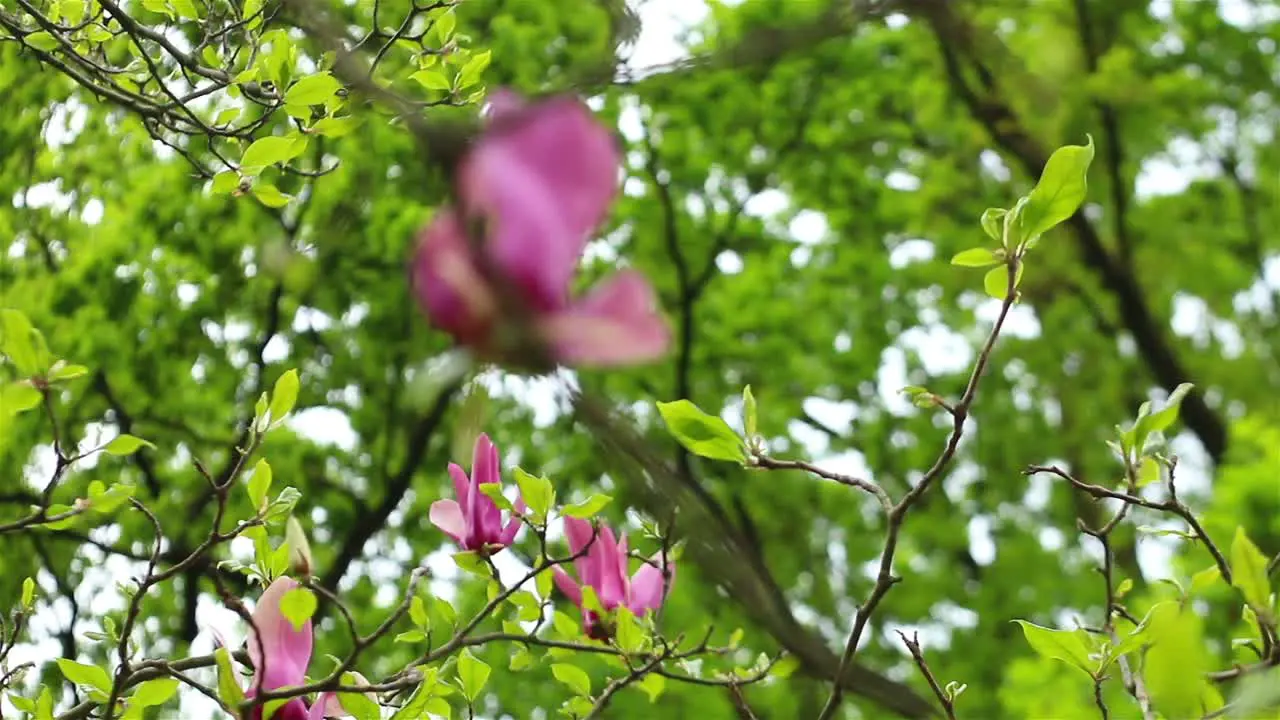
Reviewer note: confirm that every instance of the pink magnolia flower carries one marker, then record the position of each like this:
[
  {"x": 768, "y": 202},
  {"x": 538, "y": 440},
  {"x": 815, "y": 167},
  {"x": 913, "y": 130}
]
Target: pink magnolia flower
[
  {"x": 282, "y": 656},
  {"x": 537, "y": 184},
  {"x": 474, "y": 520},
  {"x": 604, "y": 569}
]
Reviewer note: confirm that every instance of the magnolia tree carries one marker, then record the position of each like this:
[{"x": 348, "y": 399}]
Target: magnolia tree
[{"x": 496, "y": 269}]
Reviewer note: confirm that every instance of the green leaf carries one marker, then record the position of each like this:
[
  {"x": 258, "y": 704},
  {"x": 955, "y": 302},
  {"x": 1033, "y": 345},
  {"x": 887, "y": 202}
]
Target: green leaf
[
  {"x": 85, "y": 675},
  {"x": 126, "y": 445},
  {"x": 19, "y": 397},
  {"x": 1060, "y": 191},
  {"x": 475, "y": 67},
  {"x": 28, "y": 593},
  {"x": 785, "y": 667},
  {"x": 229, "y": 690},
  {"x": 748, "y": 412},
  {"x": 432, "y": 79},
  {"x": 225, "y": 182},
  {"x": 267, "y": 151},
  {"x": 652, "y": 684},
  {"x": 411, "y": 636},
  {"x": 1205, "y": 579},
  {"x": 1161, "y": 420},
  {"x": 565, "y": 625},
  {"x": 473, "y": 674},
  {"x": 22, "y": 343},
  {"x": 61, "y": 372},
  {"x": 442, "y": 28},
  {"x": 1069, "y": 646},
  {"x": 418, "y": 613},
  {"x": 521, "y": 659},
  {"x": 493, "y": 491},
  {"x": 41, "y": 41},
  {"x": 701, "y": 434},
  {"x": 297, "y": 606},
  {"x": 260, "y": 484},
  {"x": 185, "y": 9},
  {"x": 360, "y": 705},
  {"x": 313, "y": 90},
  {"x": 628, "y": 634},
  {"x": 587, "y": 508},
  {"x": 538, "y": 493},
  {"x": 154, "y": 692},
  {"x": 1249, "y": 573},
  {"x": 1176, "y": 664},
  {"x": 993, "y": 223},
  {"x": 282, "y": 507},
  {"x": 335, "y": 126},
  {"x": 573, "y": 677},
  {"x": 270, "y": 195},
  {"x": 472, "y": 562},
  {"x": 284, "y": 395},
  {"x": 975, "y": 257},
  {"x": 1148, "y": 471},
  {"x": 996, "y": 281}
]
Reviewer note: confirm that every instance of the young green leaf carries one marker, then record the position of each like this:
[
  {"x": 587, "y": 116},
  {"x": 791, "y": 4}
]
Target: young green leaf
[
  {"x": 260, "y": 484},
  {"x": 573, "y": 677},
  {"x": 493, "y": 491},
  {"x": 126, "y": 445},
  {"x": 748, "y": 412},
  {"x": 19, "y": 397},
  {"x": 975, "y": 257},
  {"x": 297, "y": 606},
  {"x": 652, "y": 684},
  {"x": 229, "y": 691},
  {"x": 628, "y": 634},
  {"x": 335, "y": 126},
  {"x": 28, "y": 593},
  {"x": 85, "y": 675},
  {"x": 993, "y": 223},
  {"x": 475, "y": 67},
  {"x": 473, "y": 674},
  {"x": 313, "y": 90},
  {"x": 1177, "y": 663},
  {"x": 587, "y": 508},
  {"x": 284, "y": 395},
  {"x": 154, "y": 692},
  {"x": 1060, "y": 191},
  {"x": 270, "y": 195},
  {"x": 1069, "y": 646},
  {"x": 266, "y": 151},
  {"x": 538, "y": 493},
  {"x": 432, "y": 79},
  {"x": 703, "y": 435},
  {"x": 1249, "y": 573}
]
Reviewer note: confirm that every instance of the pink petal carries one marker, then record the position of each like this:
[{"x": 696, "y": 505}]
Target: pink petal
[
  {"x": 611, "y": 585},
  {"x": 447, "y": 284},
  {"x": 647, "y": 586},
  {"x": 513, "y": 525},
  {"x": 544, "y": 176},
  {"x": 284, "y": 654},
  {"x": 295, "y": 709},
  {"x": 617, "y": 323},
  {"x": 567, "y": 585},
  {"x": 461, "y": 483},
  {"x": 579, "y": 532},
  {"x": 485, "y": 469},
  {"x": 326, "y": 706},
  {"x": 447, "y": 515}
]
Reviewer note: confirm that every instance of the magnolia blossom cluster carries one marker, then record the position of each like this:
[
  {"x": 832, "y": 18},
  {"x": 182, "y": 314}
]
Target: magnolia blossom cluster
[
  {"x": 601, "y": 559},
  {"x": 281, "y": 652},
  {"x": 530, "y": 193}
]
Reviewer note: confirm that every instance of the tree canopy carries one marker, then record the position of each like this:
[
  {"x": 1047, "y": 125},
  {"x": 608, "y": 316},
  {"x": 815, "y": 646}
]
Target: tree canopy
[{"x": 209, "y": 194}]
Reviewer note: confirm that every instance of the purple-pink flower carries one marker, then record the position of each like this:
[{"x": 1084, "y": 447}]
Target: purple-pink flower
[
  {"x": 536, "y": 185},
  {"x": 603, "y": 567},
  {"x": 474, "y": 520},
  {"x": 282, "y": 656}
]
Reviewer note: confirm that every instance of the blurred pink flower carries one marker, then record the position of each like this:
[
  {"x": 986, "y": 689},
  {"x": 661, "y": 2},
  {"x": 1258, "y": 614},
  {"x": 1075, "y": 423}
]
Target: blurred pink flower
[
  {"x": 604, "y": 569},
  {"x": 282, "y": 656},
  {"x": 474, "y": 520},
  {"x": 537, "y": 184}
]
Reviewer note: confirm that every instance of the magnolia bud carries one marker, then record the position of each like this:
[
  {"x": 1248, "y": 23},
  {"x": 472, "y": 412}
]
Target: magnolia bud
[{"x": 299, "y": 548}]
